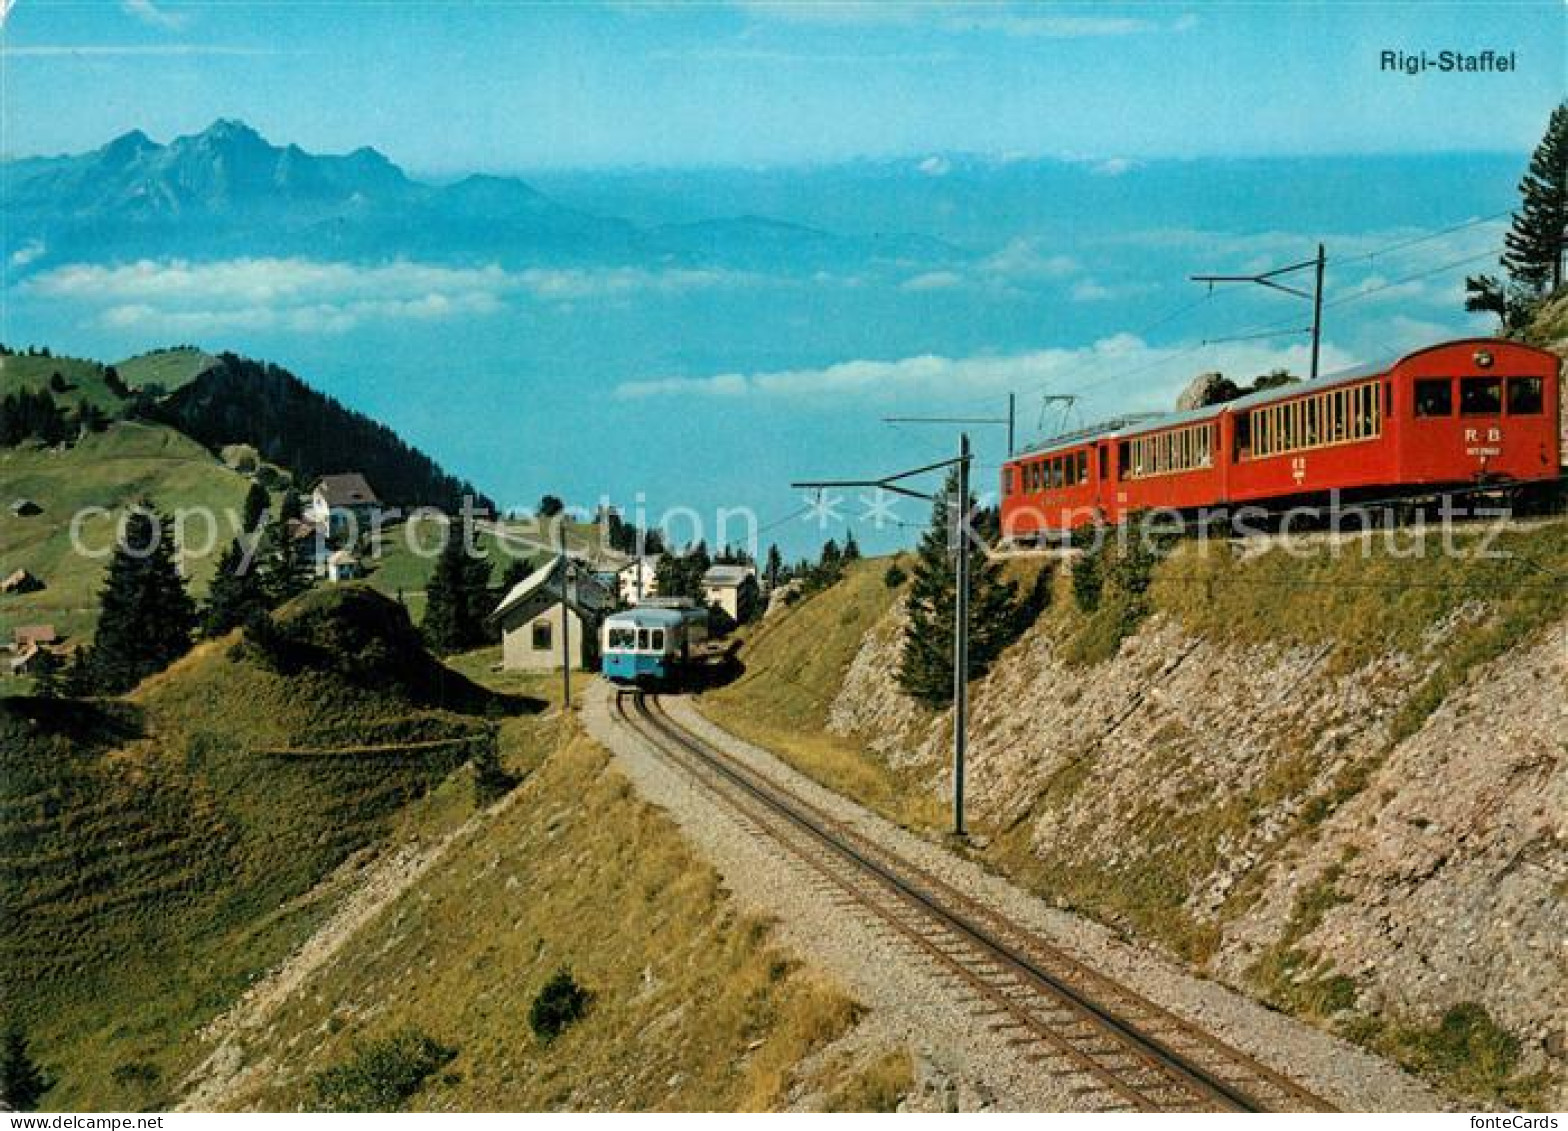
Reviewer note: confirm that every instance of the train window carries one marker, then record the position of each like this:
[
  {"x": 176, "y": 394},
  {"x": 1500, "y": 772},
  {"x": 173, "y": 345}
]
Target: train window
[
  {"x": 1244, "y": 435},
  {"x": 1481, "y": 396},
  {"x": 658, "y": 640},
  {"x": 1083, "y": 467},
  {"x": 642, "y": 639},
  {"x": 542, "y": 636},
  {"x": 1007, "y": 481},
  {"x": 1434, "y": 397},
  {"x": 622, "y": 639},
  {"x": 1524, "y": 396}
]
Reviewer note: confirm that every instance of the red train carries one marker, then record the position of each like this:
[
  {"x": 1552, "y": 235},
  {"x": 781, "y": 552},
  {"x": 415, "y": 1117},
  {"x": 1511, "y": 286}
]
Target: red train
[{"x": 1453, "y": 415}]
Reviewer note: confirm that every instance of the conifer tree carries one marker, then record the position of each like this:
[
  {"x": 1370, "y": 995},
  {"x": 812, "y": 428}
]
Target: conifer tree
[
  {"x": 146, "y": 616},
  {"x": 256, "y": 503},
  {"x": 1534, "y": 257},
  {"x": 281, "y": 565},
  {"x": 457, "y": 597},
  {"x": 237, "y": 593},
  {"x": 851, "y": 547},
  {"x": 926, "y": 668},
  {"x": 22, "y": 1082},
  {"x": 290, "y": 507},
  {"x": 774, "y": 567}
]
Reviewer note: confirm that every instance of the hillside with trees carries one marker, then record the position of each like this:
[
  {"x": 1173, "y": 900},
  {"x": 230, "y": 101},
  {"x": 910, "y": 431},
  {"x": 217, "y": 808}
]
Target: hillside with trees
[{"x": 243, "y": 401}]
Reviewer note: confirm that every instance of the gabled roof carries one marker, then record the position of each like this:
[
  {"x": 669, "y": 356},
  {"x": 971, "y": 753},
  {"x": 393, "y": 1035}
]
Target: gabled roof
[
  {"x": 35, "y": 634},
  {"x": 726, "y": 576},
  {"x": 584, "y": 594},
  {"x": 346, "y": 489}
]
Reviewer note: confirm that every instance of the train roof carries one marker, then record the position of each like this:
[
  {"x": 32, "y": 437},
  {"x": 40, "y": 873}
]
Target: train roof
[
  {"x": 1136, "y": 424},
  {"x": 643, "y": 616}
]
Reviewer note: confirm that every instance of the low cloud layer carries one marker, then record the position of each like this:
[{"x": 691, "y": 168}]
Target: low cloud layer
[
  {"x": 312, "y": 296},
  {"x": 1122, "y": 369}
]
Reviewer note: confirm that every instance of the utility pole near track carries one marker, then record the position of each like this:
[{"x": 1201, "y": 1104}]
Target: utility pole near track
[
  {"x": 959, "y": 515},
  {"x": 1266, "y": 279},
  {"x": 563, "y": 567}
]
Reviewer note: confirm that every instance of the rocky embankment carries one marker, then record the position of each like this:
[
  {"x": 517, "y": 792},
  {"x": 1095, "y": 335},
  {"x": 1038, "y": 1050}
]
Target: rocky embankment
[{"x": 1260, "y": 809}]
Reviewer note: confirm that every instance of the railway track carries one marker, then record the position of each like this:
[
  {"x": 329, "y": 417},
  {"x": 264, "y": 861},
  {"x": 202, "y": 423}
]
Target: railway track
[{"x": 1112, "y": 1047}]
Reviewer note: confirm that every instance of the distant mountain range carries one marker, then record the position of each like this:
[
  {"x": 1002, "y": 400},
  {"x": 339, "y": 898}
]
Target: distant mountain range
[{"x": 228, "y": 191}]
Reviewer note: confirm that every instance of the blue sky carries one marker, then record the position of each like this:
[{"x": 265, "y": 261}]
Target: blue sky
[{"x": 511, "y": 86}]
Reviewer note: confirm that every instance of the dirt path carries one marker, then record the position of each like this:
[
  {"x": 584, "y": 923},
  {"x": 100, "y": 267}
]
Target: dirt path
[{"x": 960, "y": 1063}]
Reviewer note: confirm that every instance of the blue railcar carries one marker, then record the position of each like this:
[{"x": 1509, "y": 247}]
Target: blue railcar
[{"x": 653, "y": 643}]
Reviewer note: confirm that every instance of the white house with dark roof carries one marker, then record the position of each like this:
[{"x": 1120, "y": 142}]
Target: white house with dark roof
[{"x": 342, "y": 501}]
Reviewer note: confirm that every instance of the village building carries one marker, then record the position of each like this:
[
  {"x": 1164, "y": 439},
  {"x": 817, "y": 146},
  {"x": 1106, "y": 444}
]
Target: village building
[
  {"x": 29, "y": 635},
  {"x": 20, "y": 581},
  {"x": 532, "y": 618},
  {"x": 637, "y": 579},
  {"x": 342, "y": 565},
  {"x": 343, "y": 503},
  {"x": 732, "y": 588}
]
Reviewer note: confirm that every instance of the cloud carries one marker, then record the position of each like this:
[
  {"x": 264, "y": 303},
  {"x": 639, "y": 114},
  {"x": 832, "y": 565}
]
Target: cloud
[
  {"x": 935, "y": 166},
  {"x": 1121, "y": 373},
  {"x": 1114, "y": 167},
  {"x": 149, "y": 13},
  {"x": 1027, "y": 258},
  {"x": 30, "y": 252},
  {"x": 1087, "y": 290},
  {"x": 933, "y": 281},
  {"x": 319, "y": 297}
]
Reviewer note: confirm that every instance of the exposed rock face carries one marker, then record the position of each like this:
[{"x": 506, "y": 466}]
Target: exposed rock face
[
  {"x": 1219, "y": 785},
  {"x": 1205, "y": 389}
]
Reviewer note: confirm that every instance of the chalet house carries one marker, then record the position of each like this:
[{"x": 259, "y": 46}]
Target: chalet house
[
  {"x": 31, "y": 635},
  {"x": 733, "y": 588},
  {"x": 531, "y": 618},
  {"x": 342, "y": 503},
  {"x": 20, "y": 582},
  {"x": 342, "y": 565},
  {"x": 638, "y": 579}
]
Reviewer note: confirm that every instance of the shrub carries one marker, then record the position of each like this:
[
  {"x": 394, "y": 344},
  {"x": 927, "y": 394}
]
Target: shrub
[
  {"x": 383, "y": 1074},
  {"x": 561, "y": 1003},
  {"x": 895, "y": 576}
]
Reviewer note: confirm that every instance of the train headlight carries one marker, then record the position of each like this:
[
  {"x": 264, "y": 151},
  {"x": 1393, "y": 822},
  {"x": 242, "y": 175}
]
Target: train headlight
[{"x": 1483, "y": 359}]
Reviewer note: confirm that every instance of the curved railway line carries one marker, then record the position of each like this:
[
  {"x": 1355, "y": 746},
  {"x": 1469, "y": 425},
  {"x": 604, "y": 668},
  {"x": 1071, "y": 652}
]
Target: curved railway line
[{"x": 1111, "y": 1046}]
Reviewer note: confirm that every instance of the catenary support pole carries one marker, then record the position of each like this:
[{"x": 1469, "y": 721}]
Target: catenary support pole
[{"x": 959, "y": 507}]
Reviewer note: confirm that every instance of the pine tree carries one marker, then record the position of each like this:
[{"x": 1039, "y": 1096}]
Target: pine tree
[
  {"x": 775, "y": 566},
  {"x": 237, "y": 593},
  {"x": 281, "y": 565},
  {"x": 146, "y": 617},
  {"x": 77, "y": 682},
  {"x": 457, "y": 597},
  {"x": 289, "y": 507},
  {"x": 926, "y": 668},
  {"x": 22, "y": 1082},
  {"x": 48, "y": 681},
  {"x": 1534, "y": 257},
  {"x": 851, "y": 547},
  {"x": 256, "y": 503}
]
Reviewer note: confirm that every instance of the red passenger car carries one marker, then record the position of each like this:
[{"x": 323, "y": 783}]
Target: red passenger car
[{"x": 1454, "y": 415}]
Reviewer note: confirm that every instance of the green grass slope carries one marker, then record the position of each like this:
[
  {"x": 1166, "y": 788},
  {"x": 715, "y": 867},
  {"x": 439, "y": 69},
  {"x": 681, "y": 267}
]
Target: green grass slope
[
  {"x": 109, "y": 470},
  {"x": 84, "y": 380},
  {"x": 161, "y": 851},
  {"x": 168, "y": 369}
]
